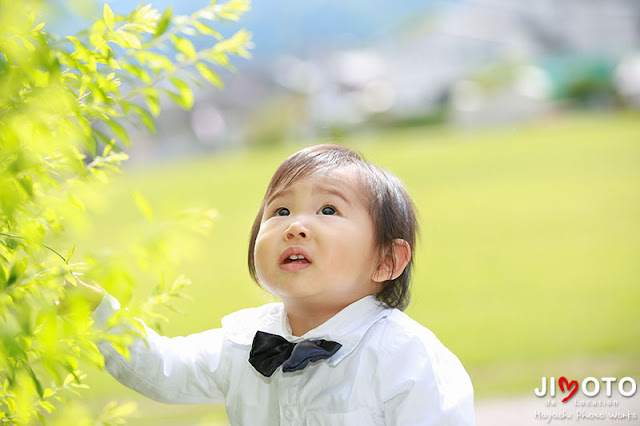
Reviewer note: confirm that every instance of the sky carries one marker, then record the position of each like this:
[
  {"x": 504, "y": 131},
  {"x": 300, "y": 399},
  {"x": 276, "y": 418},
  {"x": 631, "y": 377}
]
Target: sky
[{"x": 279, "y": 26}]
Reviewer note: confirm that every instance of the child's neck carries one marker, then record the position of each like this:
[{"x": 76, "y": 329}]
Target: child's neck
[{"x": 303, "y": 318}]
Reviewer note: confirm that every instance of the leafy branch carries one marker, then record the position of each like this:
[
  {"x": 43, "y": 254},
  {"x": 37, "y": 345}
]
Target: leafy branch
[{"x": 66, "y": 105}]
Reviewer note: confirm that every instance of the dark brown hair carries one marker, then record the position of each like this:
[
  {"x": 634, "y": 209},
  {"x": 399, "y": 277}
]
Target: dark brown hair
[{"x": 390, "y": 207}]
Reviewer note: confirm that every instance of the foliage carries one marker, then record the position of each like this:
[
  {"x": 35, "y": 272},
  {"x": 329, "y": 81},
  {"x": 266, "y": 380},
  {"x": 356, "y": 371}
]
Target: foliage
[{"x": 66, "y": 105}]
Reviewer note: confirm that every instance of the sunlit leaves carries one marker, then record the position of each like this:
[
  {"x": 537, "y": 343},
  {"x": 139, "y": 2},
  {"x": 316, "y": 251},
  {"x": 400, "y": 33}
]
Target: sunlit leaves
[
  {"x": 108, "y": 17},
  {"x": 126, "y": 40},
  {"x": 144, "y": 36},
  {"x": 203, "y": 28},
  {"x": 185, "y": 47},
  {"x": 67, "y": 107},
  {"x": 164, "y": 23},
  {"x": 231, "y": 10},
  {"x": 238, "y": 44},
  {"x": 185, "y": 94},
  {"x": 156, "y": 62},
  {"x": 209, "y": 75},
  {"x": 152, "y": 98},
  {"x": 143, "y": 19},
  {"x": 145, "y": 117}
]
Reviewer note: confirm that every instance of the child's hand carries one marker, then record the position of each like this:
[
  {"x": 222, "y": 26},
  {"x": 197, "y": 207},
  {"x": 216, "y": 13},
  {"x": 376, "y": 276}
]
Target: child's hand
[{"x": 91, "y": 294}]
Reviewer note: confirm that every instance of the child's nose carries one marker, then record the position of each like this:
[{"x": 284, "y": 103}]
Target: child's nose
[{"x": 296, "y": 230}]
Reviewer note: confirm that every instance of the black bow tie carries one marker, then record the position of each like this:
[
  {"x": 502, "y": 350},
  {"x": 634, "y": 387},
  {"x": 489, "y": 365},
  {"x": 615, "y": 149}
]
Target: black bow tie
[{"x": 269, "y": 351}]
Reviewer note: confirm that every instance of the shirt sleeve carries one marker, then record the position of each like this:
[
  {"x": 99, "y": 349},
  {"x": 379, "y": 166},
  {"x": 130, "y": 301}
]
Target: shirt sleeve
[
  {"x": 179, "y": 370},
  {"x": 427, "y": 386}
]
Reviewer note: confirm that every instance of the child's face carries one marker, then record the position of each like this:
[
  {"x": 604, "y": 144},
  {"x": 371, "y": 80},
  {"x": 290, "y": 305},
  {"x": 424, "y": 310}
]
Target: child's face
[{"x": 322, "y": 217}]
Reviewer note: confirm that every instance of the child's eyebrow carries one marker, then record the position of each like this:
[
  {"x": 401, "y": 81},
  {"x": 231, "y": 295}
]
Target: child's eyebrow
[
  {"x": 277, "y": 194},
  {"x": 318, "y": 189},
  {"x": 332, "y": 191}
]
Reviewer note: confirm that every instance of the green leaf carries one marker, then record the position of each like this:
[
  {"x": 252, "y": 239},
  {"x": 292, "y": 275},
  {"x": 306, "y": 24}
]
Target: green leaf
[
  {"x": 113, "y": 63},
  {"x": 119, "y": 131},
  {"x": 48, "y": 406},
  {"x": 127, "y": 40},
  {"x": 232, "y": 9},
  {"x": 12, "y": 244},
  {"x": 132, "y": 40},
  {"x": 206, "y": 30},
  {"x": 107, "y": 149},
  {"x": 186, "y": 94},
  {"x": 75, "y": 41},
  {"x": 27, "y": 44},
  {"x": 107, "y": 14},
  {"x": 237, "y": 44},
  {"x": 72, "y": 376},
  {"x": 143, "y": 205},
  {"x": 36, "y": 382},
  {"x": 146, "y": 117},
  {"x": 163, "y": 23},
  {"x": 85, "y": 124},
  {"x": 3, "y": 276},
  {"x": 143, "y": 20},
  {"x": 76, "y": 202},
  {"x": 152, "y": 99},
  {"x": 73, "y": 248},
  {"x": 185, "y": 47},
  {"x": 209, "y": 75},
  {"x": 216, "y": 57},
  {"x": 26, "y": 182},
  {"x": 17, "y": 270},
  {"x": 138, "y": 72},
  {"x": 156, "y": 62},
  {"x": 96, "y": 35}
]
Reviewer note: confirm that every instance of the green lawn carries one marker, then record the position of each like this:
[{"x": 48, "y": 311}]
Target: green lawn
[{"x": 527, "y": 262}]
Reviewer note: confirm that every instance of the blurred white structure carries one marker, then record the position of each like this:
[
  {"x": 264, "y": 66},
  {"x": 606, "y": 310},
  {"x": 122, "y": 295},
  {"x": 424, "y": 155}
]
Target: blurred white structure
[
  {"x": 628, "y": 78},
  {"x": 432, "y": 61},
  {"x": 481, "y": 62}
]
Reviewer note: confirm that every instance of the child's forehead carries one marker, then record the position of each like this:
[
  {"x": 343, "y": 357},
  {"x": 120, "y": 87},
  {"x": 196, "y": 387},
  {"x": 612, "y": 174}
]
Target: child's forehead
[{"x": 346, "y": 178}]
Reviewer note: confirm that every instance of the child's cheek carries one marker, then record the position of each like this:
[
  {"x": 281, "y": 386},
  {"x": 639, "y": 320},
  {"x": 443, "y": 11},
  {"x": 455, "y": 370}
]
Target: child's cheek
[{"x": 264, "y": 253}]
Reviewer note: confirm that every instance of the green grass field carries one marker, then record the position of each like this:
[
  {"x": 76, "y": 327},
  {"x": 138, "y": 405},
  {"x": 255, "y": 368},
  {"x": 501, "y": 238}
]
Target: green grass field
[{"x": 527, "y": 264}]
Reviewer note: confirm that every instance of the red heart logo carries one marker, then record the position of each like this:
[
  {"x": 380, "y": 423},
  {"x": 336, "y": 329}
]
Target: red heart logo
[{"x": 569, "y": 384}]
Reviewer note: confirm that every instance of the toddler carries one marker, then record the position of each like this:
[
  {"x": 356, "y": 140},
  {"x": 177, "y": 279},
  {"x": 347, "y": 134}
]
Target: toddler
[{"x": 333, "y": 241}]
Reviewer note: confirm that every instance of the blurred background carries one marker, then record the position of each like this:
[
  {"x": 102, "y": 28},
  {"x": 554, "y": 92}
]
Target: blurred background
[{"x": 515, "y": 126}]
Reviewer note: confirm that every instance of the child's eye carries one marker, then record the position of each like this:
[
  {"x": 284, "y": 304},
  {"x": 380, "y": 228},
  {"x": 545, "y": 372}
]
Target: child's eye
[
  {"x": 328, "y": 210},
  {"x": 282, "y": 211}
]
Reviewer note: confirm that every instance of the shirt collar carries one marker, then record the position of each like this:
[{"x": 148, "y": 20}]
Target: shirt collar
[{"x": 347, "y": 327}]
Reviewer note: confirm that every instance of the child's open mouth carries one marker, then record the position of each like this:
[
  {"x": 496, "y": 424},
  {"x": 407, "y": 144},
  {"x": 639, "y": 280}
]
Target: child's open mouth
[{"x": 296, "y": 259}]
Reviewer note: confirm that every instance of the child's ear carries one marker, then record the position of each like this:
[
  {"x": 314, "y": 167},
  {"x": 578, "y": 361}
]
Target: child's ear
[{"x": 393, "y": 263}]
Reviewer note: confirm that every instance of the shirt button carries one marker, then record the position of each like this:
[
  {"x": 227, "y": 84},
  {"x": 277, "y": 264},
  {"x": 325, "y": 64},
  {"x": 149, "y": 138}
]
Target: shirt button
[{"x": 288, "y": 413}]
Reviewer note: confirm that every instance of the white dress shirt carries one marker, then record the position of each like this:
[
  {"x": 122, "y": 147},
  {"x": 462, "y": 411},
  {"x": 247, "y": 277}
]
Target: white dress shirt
[{"x": 390, "y": 370}]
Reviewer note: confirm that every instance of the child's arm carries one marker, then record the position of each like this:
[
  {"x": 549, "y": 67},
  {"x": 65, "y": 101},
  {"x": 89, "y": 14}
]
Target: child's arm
[{"x": 180, "y": 370}]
